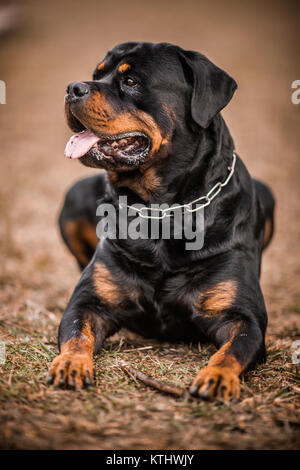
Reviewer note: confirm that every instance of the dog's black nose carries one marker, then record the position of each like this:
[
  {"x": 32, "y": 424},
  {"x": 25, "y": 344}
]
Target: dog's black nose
[{"x": 78, "y": 89}]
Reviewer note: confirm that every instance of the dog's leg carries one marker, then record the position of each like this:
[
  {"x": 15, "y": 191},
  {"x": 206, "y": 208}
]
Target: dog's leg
[
  {"x": 80, "y": 237},
  {"x": 87, "y": 321},
  {"x": 241, "y": 345},
  {"x": 80, "y": 336},
  {"x": 77, "y": 219}
]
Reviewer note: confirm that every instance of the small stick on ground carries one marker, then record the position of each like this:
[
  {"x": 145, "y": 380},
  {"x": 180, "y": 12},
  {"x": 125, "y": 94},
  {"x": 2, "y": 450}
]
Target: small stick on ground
[
  {"x": 137, "y": 349},
  {"x": 156, "y": 384}
]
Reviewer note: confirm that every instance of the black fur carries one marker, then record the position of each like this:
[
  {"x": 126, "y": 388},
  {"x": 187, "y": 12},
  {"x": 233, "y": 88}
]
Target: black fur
[{"x": 166, "y": 278}]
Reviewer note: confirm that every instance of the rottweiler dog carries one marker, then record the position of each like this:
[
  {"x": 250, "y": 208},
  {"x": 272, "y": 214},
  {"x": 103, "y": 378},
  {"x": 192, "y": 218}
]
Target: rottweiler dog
[{"x": 151, "y": 118}]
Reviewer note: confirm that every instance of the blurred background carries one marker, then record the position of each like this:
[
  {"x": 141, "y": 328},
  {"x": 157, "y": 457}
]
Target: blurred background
[{"x": 44, "y": 46}]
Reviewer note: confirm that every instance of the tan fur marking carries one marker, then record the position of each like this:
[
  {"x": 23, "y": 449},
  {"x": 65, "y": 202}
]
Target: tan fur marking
[
  {"x": 123, "y": 68},
  {"x": 76, "y": 245},
  {"x": 223, "y": 358},
  {"x": 98, "y": 114},
  {"x": 101, "y": 66},
  {"x": 83, "y": 343},
  {"x": 152, "y": 181},
  {"x": 105, "y": 285},
  {"x": 268, "y": 231},
  {"x": 74, "y": 364},
  {"x": 144, "y": 184},
  {"x": 77, "y": 233},
  {"x": 217, "y": 299},
  {"x": 220, "y": 378},
  {"x": 88, "y": 233}
]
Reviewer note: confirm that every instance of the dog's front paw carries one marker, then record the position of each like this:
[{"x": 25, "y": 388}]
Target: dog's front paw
[
  {"x": 215, "y": 382},
  {"x": 72, "y": 370}
]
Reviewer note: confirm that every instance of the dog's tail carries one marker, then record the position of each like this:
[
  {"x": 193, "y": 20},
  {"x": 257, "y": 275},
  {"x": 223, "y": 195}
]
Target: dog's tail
[{"x": 267, "y": 202}]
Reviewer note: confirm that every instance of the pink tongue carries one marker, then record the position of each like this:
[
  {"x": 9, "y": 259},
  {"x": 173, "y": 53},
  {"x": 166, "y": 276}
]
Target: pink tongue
[{"x": 80, "y": 144}]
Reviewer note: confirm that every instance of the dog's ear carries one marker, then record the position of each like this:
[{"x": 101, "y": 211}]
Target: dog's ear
[{"x": 212, "y": 88}]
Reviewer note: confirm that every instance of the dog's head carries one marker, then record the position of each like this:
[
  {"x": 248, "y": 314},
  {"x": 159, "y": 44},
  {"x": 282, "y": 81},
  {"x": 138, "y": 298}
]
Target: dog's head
[{"x": 141, "y": 95}]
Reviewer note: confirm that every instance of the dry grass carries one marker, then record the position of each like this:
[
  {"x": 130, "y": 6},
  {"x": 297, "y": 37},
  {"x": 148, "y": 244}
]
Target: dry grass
[{"x": 121, "y": 413}]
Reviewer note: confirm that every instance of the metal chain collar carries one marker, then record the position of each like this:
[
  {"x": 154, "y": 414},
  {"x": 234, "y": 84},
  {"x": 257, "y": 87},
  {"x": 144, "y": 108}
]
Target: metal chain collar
[{"x": 210, "y": 196}]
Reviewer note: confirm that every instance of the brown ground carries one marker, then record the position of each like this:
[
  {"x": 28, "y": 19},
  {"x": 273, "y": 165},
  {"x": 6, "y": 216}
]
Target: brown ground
[{"x": 60, "y": 41}]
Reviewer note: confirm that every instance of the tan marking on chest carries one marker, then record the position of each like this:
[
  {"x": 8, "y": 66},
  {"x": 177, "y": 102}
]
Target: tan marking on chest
[
  {"x": 217, "y": 299},
  {"x": 106, "y": 285}
]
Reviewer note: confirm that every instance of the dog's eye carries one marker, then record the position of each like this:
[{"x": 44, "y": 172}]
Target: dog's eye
[{"x": 130, "y": 81}]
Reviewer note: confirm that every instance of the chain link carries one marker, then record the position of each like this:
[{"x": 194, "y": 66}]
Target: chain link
[{"x": 210, "y": 196}]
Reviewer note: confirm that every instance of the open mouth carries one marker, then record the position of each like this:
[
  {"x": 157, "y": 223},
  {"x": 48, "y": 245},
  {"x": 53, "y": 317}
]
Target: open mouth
[{"x": 127, "y": 148}]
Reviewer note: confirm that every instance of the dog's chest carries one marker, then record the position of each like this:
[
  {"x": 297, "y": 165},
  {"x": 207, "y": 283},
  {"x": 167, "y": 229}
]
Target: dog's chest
[{"x": 164, "y": 310}]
